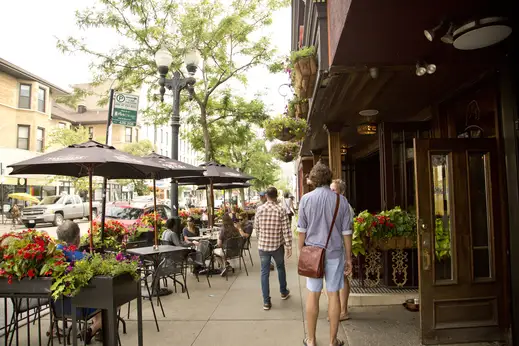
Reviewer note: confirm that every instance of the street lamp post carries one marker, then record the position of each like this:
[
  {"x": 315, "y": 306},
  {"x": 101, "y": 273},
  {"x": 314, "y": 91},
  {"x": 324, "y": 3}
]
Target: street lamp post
[{"x": 176, "y": 84}]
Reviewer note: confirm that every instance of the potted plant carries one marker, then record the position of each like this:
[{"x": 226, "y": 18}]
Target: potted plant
[
  {"x": 146, "y": 224},
  {"x": 304, "y": 62},
  {"x": 115, "y": 234},
  {"x": 30, "y": 262},
  {"x": 285, "y": 128},
  {"x": 285, "y": 152}
]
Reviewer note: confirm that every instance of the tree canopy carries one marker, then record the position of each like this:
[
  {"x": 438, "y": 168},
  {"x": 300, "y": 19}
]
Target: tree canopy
[{"x": 228, "y": 35}]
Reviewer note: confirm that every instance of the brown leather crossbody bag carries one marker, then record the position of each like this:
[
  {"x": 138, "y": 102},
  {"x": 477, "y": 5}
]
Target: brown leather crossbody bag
[{"x": 311, "y": 258}]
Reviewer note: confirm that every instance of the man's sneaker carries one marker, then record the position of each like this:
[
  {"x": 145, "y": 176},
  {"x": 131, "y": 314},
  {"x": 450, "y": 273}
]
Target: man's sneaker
[
  {"x": 267, "y": 306},
  {"x": 286, "y": 295}
]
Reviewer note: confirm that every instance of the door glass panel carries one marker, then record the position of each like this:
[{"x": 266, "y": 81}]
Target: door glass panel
[
  {"x": 479, "y": 214},
  {"x": 442, "y": 217}
]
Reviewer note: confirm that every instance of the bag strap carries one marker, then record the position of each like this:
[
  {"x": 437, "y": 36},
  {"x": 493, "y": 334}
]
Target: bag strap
[{"x": 333, "y": 220}]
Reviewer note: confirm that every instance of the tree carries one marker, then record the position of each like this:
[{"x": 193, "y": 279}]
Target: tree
[
  {"x": 62, "y": 138},
  {"x": 227, "y": 34},
  {"x": 141, "y": 148}
]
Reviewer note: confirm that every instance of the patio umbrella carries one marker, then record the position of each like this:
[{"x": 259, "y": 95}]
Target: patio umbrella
[
  {"x": 172, "y": 169},
  {"x": 89, "y": 159},
  {"x": 215, "y": 174},
  {"x": 22, "y": 196}
]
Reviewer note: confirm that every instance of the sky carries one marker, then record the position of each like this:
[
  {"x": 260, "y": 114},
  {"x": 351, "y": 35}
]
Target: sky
[{"x": 29, "y": 30}]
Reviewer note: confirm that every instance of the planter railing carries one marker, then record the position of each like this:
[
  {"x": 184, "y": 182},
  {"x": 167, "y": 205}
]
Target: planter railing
[
  {"x": 108, "y": 294},
  {"x": 24, "y": 310}
]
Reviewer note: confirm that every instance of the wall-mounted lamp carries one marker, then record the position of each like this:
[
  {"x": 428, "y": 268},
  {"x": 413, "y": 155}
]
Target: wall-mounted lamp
[
  {"x": 447, "y": 38},
  {"x": 423, "y": 68},
  {"x": 430, "y": 33},
  {"x": 373, "y": 72},
  {"x": 344, "y": 149}
]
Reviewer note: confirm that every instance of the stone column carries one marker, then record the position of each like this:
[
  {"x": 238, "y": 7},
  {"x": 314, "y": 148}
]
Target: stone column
[{"x": 334, "y": 149}]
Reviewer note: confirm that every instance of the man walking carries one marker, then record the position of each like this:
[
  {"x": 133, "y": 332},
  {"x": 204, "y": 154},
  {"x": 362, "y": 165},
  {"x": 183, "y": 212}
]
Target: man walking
[
  {"x": 274, "y": 240},
  {"x": 316, "y": 211}
]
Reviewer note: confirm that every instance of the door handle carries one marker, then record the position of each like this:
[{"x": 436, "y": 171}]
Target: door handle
[
  {"x": 426, "y": 257},
  {"x": 423, "y": 226}
]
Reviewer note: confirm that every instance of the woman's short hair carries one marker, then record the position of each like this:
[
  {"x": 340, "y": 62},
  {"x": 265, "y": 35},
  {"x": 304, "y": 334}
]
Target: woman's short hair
[
  {"x": 286, "y": 195},
  {"x": 320, "y": 175},
  {"x": 341, "y": 185},
  {"x": 227, "y": 220},
  {"x": 68, "y": 232},
  {"x": 172, "y": 224}
]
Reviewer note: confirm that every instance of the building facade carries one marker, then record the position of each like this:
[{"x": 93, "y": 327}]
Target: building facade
[{"x": 425, "y": 119}]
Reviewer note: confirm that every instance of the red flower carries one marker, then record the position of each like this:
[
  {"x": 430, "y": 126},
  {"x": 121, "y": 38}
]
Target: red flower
[
  {"x": 31, "y": 273},
  {"x": 48, "y": 273},
  {"x": 10, "y": 279},
  {"x": 39, "y": 257},
  {"x": 391, "y": 225},
  {"x": 374, "y": 223}
]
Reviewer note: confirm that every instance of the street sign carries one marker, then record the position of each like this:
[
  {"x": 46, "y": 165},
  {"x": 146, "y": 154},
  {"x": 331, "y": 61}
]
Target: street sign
[{"x": 125, "y": 109}]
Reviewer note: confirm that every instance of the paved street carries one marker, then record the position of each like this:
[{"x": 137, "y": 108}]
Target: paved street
[{"x": 83, "y": 225}]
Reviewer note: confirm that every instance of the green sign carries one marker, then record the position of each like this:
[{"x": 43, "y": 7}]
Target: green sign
[{"x": 125, "y": 109}]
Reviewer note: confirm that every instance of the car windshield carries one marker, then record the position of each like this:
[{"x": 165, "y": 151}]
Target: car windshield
[
  {"x": 123, "y": 213},
  {"x": 52, "y": 200}
]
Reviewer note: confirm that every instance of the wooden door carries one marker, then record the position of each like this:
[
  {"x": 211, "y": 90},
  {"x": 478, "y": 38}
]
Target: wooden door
[{"x": 462, "y": 273}]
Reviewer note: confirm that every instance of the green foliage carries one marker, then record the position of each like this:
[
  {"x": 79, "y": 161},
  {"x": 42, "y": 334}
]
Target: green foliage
[
  {"x": 140, "y": 148},
  {"x": 236, "y": 145},
  {"x": 114, "y": 233},
  {"x": 285, "y": 151},
  {"x": 304, "y": 52},
  {"x": 442, "y": 239},
  {"x": 80, "y": 274},
  {"x": 229, "y": 36},
  {"x": 274, "y": 127}
]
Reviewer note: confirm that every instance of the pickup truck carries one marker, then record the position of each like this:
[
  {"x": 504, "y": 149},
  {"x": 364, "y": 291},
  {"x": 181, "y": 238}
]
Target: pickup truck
[{"x": 56, "y": 209}]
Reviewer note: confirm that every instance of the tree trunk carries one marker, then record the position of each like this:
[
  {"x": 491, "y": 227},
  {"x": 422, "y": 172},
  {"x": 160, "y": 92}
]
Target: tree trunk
[
  {"x": 207, "y": 138},
  {"x": 155, "y": 137}
]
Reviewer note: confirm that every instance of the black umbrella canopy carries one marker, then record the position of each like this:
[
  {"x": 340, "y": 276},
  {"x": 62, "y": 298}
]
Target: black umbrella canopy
[
  {"x": 76, "y": 160},
  {"x": 174, "y": 168},
  {"x": 217, "y": 174},
  {"x": 227, "y": 186}
]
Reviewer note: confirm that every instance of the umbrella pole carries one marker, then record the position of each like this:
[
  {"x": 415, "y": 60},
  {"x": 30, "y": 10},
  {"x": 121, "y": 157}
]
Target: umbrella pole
[
  {"x": 90, "y": 209},
  {"x": 224, "y": 202},
  {"x": 155, "y": 214},
  {"x": 211, "y": 194}
]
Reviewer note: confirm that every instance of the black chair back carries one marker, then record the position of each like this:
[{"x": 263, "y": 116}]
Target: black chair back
[
  {"x": 136, "y": 244},
  {"x": 233, "y": 247}
]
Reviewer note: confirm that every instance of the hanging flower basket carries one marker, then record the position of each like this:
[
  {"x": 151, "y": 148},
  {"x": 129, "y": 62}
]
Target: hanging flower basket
[
  {"x": 395, "y": 243},
  {"x": 305, "y": 71},
  {"x": 285, "y": 128},
  {"x": 285, "y": 152}
]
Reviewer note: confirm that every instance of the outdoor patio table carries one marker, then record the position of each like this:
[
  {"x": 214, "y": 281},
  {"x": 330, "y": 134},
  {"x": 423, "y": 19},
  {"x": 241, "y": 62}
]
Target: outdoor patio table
[{"x": 155, "y": 255}]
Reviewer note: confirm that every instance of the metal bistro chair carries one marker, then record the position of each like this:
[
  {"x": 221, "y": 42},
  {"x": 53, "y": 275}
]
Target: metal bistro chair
[
  {"x": 233, "y": 249},
  {"x": 175, "y": 267},
  {"x": 246, "y": 247},
  {"x": 200, "y": 259},
  {"x": 31, "y": 307}
]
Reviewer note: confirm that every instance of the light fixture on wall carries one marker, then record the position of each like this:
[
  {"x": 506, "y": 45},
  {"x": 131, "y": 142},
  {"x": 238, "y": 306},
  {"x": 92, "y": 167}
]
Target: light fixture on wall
[
  {"x": 430, "y": 33},
  {"x": 481, "y": 33},
  {"x": 344, "y": 149},
  {"x": 368, "y": 112},
  {"x": 423, "y": 68},
  {"x": 373, "y": 72},
  {"x": 368, "y": 128},
  {"x": 448, "y": 38}
]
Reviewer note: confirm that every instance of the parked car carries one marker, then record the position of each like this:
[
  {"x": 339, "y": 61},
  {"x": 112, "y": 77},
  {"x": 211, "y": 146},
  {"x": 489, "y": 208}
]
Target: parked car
[
  {"x": 128, "y": 213},
  {"x": 56, "y": 209}
]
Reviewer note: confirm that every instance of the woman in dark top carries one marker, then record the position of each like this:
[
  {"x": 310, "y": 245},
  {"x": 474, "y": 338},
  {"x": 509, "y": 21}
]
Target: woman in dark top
[
  {"x": 172, "y": 234},
  {"x": 190, "y": 230}
]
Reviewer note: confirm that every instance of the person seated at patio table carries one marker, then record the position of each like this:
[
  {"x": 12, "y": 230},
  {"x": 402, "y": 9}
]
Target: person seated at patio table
[
  {"x": 190, "y": 230},
  {"x": 244, "y": 226},
  {"x": 204, "y": 218},
  {"x": 69, "y": 233},
  {"x": 172, "y": 234},
  {"x": 228, "y": 231}
]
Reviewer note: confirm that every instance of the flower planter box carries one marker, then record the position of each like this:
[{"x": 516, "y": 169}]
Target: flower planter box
[
  {"x": 301, "y": 110},
  {"x": 36, "y": 286},
  {"x": 395, "y": 243},
  {"x": 305, "y": 76},
  {"x": 107, "y": 294}
]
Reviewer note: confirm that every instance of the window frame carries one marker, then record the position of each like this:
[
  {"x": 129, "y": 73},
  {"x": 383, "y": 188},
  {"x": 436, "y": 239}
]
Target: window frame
[
  {"x": 44, "y": 99},
  {"x": 91, "y": 130},
  {"x": 28, "y": 136},
  {"x": 126, "y": 134},
  {"x": 62, "y": 125},
  {"x": 42, "y": 140},
  {"x": 20, "y": 95}
]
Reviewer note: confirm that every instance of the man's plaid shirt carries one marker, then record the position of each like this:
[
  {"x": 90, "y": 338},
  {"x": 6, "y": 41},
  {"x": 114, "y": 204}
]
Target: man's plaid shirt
[{"x": 272, "y": 227}]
